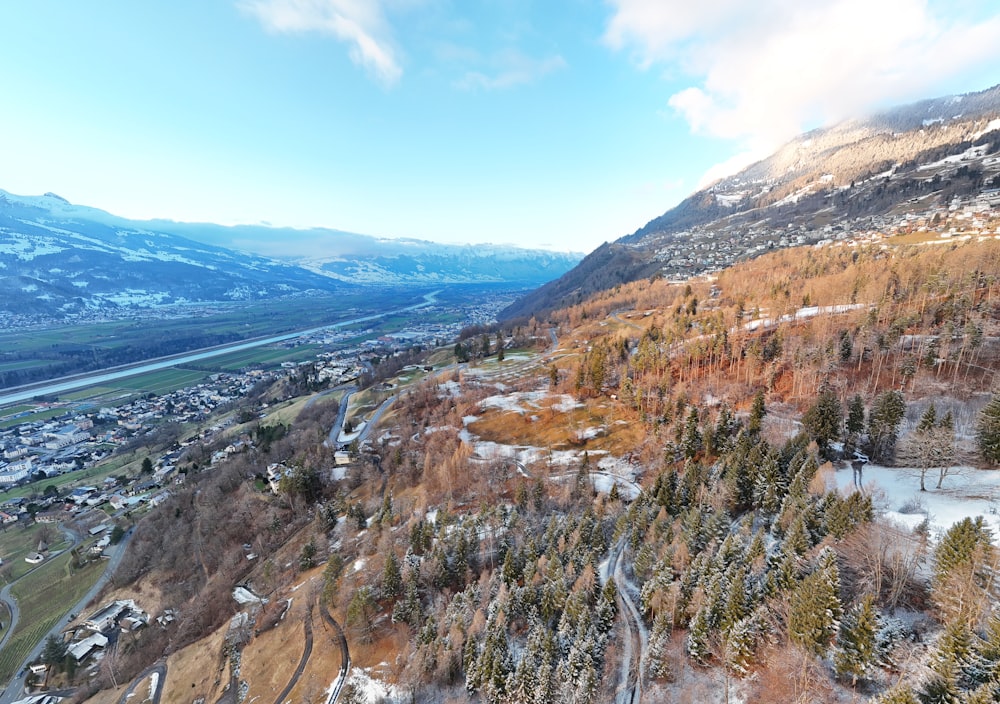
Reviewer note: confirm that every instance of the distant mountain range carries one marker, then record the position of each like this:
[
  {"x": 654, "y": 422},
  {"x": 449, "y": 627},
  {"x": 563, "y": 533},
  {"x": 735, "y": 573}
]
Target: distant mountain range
[
  {"x": 58, "y": 259},
  {"x": 903, "y": 165}
]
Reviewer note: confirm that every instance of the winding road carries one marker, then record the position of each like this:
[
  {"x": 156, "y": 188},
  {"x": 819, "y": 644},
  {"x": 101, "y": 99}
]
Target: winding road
[
  {"x": 629, "y": 689},
  {"x": 345, "y": 656},
  {"x": 303, "y": 661}
]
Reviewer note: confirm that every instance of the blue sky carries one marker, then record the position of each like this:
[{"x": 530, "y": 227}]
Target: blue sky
[{"x": 556, "y": 123}]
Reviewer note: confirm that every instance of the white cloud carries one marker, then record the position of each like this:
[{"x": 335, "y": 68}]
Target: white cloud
[
  {"x": 359, "y": 23},
  {"x": 766, "y": 70},
  {"x": 511, "y": 68}
]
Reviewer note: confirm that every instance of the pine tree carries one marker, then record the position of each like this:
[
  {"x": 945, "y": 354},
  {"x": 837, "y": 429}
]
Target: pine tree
[
  {"x": 942, "y": 686},
  {"x": 846, "y": 346},
  {"x": 989, "y": 646},
  {"x": 987, "y": 693},
  {"x": 392, "y": 579},
  {"x": 958, "y": 573},
  {"x": 857, "y": 651},
  {"x": 884, "y": 418},
  {"x": 692, "y": 435},
  {"x": 525, "y": 680},
  {"x": 798, "y": 539},
  {"x": 657, "y": 664},
  {"x": 815, "y": 611},
  {"x": 823, "y": 420},
  {"x": 854, "y": 425},
  {"x": 54, "y": 651},
  {"x": 741, "y": 644},
  {"x": 699, "y": 633},
  {"x": 988, "y": 430},
  {"x": 900, "y": 694},
  {"x": 757, "y": 413},
  {"x": 928, "y": 420}
]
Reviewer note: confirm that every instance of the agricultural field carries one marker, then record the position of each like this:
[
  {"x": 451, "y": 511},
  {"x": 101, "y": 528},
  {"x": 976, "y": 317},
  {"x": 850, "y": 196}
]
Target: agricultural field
[
  {"x": 41, "y": 415},
  {"x": 44, "y": 597},
  {"x": 17, "y": 541},
  {"x": 41, "y": 354},
  {"x": 264, "y": 356}
]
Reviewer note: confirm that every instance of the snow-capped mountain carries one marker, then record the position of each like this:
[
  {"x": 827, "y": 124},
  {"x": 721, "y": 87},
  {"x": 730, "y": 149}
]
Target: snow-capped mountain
[
  {"x": 58, "y": 259},
  {"x": 908, "y": 167},
  {"x": 361, "y": 259}
]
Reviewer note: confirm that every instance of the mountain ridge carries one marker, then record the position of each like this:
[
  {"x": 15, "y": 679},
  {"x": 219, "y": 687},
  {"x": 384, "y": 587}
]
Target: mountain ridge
[
  {"x": 908, "y": 162},
  {"x": 59, "y": 259}
]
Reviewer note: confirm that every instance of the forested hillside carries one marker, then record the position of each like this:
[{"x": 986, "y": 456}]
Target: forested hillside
[{"x": 654, "y": 503}]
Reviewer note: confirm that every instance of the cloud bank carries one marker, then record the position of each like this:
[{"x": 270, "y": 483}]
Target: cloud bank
[
  {"x": 359, "y": 23},
  {"x": 766, "y": 70}
]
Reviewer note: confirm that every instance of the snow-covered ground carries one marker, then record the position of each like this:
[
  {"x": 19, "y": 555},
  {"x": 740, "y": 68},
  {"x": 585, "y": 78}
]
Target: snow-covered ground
[
  {"x": 520, "y": 402},
  {"x": 896, "y": 491},
  {"x": 372, "y": 689}
]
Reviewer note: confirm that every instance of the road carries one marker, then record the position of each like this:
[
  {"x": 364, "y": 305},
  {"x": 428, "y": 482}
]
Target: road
[
  {"x": 332, "y": 440},
  {"x": 306, "y": 654},
  {"x": 629, "y": 689},
  {"x": 158, "y": 672},
  {"x": 15, "y": 688},
  {"x": 345, "y": 655},
  {"x": 78, "y": 381}
]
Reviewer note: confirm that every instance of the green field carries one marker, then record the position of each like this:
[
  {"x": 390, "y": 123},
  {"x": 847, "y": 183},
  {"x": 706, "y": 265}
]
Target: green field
[
  {"x": 44, "y": 597},
  {"x": 17, "y": 541},
  {"x": 264, "y": 356},
  {"x": 161, "y": 381},
  {"x": 88, "y": 393},
  {"x": 43, "y": 415}
]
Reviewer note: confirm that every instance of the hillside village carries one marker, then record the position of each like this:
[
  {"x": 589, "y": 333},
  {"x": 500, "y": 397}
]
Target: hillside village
[
  {"x": 77, "y": 439},
  {"x": 708, "y": 249}
]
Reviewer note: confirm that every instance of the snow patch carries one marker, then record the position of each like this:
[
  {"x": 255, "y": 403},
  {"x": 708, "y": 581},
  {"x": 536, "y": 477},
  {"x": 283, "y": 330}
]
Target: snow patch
[{"x": 968, "y": 493}]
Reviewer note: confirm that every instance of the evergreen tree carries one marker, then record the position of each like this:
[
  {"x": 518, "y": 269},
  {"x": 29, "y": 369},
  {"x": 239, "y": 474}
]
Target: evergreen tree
[
  {"x": 657, "y": 664},
  {"x": 854, "y": 425},
  {"x": 815, "y": 611},
  {"x": 987, "y": 693},
  {"x": 846, "y": 346},
  {"x": 928, "y": 420},
  {"x": 392, "y": 579},
  {"x": 823, "y": 420},
  {"x": 698, "y": 643},
  {"x": 692, "y": 435},
  {"x": 54, "y": 651},
  {"x": 757, "y": 413},
  {"x": 959, "y": 576},
  {"x": 942, "y": 686},
  {"x": 900, "y": 694},
  {"x": 886, "y": 414},
  {"x": 956, "y": 657},
  {"x": 741, "y": 644},
  {"x": 988, "y": 430},
  {"x": 307, "y": 557},
  {"x": 408, "y": 609},
  {"x": 857, "y": 651}
]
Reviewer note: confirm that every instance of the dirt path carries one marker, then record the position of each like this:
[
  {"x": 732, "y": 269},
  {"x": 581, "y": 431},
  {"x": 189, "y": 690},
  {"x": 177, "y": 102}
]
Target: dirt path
[{"x": 629, "y": 689}]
